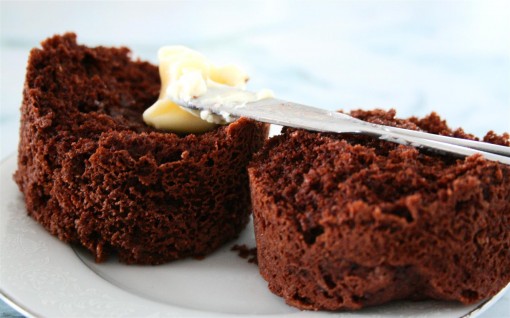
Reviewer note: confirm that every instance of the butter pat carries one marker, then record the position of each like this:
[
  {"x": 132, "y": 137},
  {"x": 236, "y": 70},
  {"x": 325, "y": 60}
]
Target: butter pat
[{"x": 186, "y": 74}]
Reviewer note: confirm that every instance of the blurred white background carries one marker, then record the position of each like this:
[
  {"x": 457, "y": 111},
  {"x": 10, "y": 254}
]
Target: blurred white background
[{"x": 452, "y": 57}]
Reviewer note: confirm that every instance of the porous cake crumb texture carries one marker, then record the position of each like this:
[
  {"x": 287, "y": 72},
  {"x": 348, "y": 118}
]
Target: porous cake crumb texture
[
  {"x": 346, "y": 221},
  {"x": 94, "y": 174}
]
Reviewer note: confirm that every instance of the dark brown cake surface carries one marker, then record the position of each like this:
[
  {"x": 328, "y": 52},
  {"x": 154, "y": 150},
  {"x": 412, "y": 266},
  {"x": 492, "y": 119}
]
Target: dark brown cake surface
[
  {"x": 94, "y": 174},
  {"x": 345, "y": 221}
]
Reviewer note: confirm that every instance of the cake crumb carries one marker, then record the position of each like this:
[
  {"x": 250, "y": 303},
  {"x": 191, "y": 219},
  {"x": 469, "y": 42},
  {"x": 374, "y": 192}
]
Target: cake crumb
[{"x": 246, "y": 252}]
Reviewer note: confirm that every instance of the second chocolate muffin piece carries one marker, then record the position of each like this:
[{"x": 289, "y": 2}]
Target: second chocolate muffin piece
[{"x": 346, "y": 221}]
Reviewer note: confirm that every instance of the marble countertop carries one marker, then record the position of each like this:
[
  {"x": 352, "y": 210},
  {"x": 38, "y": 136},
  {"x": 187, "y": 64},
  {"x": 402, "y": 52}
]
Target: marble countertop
[{"x": 452, "y": 57}]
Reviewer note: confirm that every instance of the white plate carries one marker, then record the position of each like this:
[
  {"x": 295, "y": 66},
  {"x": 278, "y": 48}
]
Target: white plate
[{"x": 41, "y": 276}]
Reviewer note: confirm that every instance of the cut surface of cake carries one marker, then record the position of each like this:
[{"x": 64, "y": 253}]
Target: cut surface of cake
[
  {"x": 94, "y": 174},
  {"x": 348, "y": 221}
]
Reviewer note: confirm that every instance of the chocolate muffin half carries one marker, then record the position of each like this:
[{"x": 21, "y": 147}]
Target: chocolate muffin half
[
  {"x": 346, "y": 221},
  {"x": 94, "y": 174}
]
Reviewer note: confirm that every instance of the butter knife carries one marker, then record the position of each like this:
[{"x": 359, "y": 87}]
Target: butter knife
[{"x": 228, "y": 104}]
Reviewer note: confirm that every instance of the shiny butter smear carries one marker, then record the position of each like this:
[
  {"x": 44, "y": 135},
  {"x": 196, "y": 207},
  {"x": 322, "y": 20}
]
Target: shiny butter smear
[{"x": 186, "y": 74}]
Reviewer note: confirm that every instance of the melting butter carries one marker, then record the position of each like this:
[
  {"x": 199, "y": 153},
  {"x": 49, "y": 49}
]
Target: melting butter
[{"x": 185, "y": 74}]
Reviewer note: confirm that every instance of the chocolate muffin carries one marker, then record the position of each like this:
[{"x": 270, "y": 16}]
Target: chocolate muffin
[
  {"x": 348, "y": 221},
  {"x": 93, "y": 174}
]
